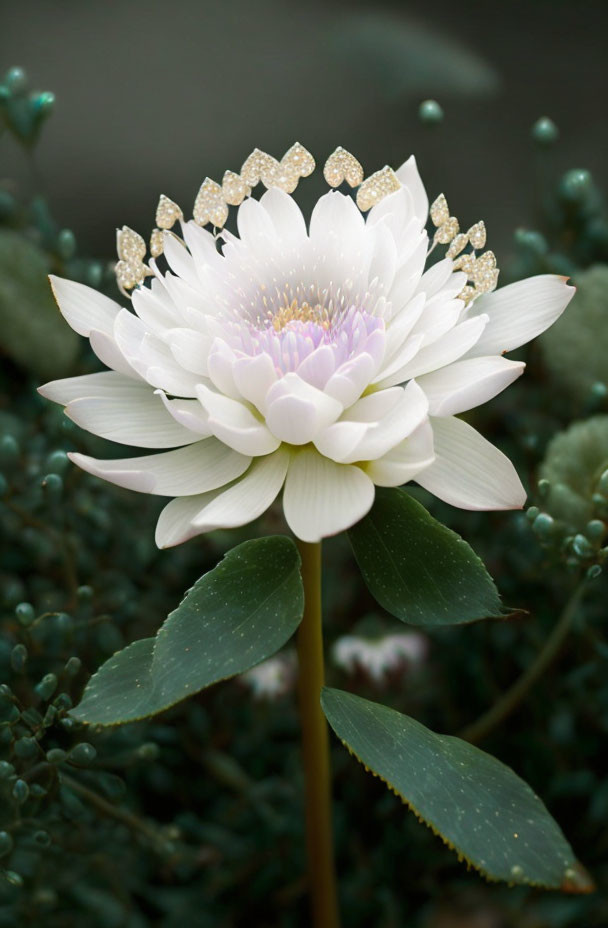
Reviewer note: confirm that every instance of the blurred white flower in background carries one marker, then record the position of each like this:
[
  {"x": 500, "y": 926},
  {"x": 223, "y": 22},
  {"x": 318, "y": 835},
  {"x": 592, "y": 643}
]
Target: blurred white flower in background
[
  {"x": 379, "y": 658},
  {"x": 272, "y": 678},
  {"x": 319, "y": 361}
]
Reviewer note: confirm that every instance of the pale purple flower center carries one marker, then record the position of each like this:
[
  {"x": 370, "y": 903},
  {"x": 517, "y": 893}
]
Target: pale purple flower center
[{"x": 288, "y": 342}]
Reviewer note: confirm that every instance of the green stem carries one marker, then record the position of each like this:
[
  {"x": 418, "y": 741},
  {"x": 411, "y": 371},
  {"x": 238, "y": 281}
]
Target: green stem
[
  {"x": 122, "y": 815},
  {"x": 315, "y": 746},
  {"x": 509, "y": 701}
]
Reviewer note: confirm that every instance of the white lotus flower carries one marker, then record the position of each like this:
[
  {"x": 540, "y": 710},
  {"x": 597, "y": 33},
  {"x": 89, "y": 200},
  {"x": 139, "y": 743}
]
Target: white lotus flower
[
  {"x": 321, "y": 361},
  {"x": 379, "y": 657}
]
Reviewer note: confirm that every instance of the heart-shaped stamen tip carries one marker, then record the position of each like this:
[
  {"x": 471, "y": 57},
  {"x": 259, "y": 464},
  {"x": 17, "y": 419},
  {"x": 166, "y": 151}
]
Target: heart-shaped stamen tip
[
  {"x": 342, "y": 166},
  {"x": 210, "y": 205}
]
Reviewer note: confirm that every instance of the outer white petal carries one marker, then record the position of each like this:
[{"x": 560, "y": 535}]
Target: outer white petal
[
  {"x": 151, "y": 357},
  {"x": 83, "y": 308},
  {"x": 249, "y": 497},
  {"x": 109, "y": 353},
  {"x": 447, "y": 349},
  {"x": 206, "y": 465},
  {"x": 322, "y": 498},
  {"x": 466, "y": 384},
  {"x": 410, "y": 178},
  {"x": 135, "y": 417},
  {"x": 468, "y": 471},
  {"x": 233, "y": 423},
  {"x": 521, "y": 311},
  {"x": 174, "y": 524},
  {"x": 406, "y": 460},
  {"x": 106, "y": 383}
]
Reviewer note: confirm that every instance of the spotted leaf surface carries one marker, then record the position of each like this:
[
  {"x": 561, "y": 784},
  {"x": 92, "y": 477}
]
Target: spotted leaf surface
[
  {"x": 235, "y": 616},
  {"x": 419, "y": 570},
  {"x": 476, "y": 804}
]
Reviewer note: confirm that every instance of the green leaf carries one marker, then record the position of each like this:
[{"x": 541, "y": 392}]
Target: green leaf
[
  {"x": 476, "y": 804},
  {"x": 235, "y": 616},
  {"x": 419, "y": 570}
]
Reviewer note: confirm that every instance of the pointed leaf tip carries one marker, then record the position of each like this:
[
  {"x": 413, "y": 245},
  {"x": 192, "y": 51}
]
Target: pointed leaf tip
[
  {"x": 237, "y": 615},
  {"x": 418, "y": 569},
  {"x": 477, "y": 805}
]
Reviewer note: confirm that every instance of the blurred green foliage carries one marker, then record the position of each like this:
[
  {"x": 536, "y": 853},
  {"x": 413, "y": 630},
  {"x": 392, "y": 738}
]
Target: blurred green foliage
[{"x": 195, "y": 818}]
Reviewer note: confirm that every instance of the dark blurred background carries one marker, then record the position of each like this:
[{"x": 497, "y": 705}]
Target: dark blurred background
[
  {"x": 152, "y": 96},
  {"x": 195, "y": 818}
]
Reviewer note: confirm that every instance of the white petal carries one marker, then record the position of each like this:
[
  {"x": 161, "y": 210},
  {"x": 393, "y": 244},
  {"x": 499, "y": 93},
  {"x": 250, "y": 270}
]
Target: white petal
[
  {"x": 406, "y": 460},
  {"x": 335, "y": 214},
  {"x": 384, "y": 257},
  {"x": 400, "y": 326},
  {"x": 249, "y": 497},
  {"x": 409, "y": 274},
  {"x": 254, "y": 223},
  {"x": 521, "y": 311},
  {"x": 135, "y": 417},
  {"x": 318, "y": 367},
  {"x": 297, "y": 411},
  {"x": 375, "y": 406},
  {"x": 189, "y": 413},
  {"x": 410, "y": 178},
  {"x": 253, "y": 378},
  {"x": 322, "y": 498},
  {"x": 444, "y": 351},
  {"x": 109, "y": 353},
  {"x": 206, "y": 465},
  {"x": 406, "y": 415},
  {"x": 466, "y": 384},
  {"x": 338, "y": 440},
  {"x": 201, "y": 244},
  {"x": 174, "y": 524},
  {"x": 468, "y": 471},
  {"x": 390, "y": 374},
  {"x": 233, "y": 423},
  {"x": 286, "y": 216},
  {"x": 439, "y": 317},
  {"x": 220, "y": 366},
  {"x": 138, "y": 420},
  {"x": 106, "y": 383},
  {"x": 154, "y": 308},
  {"x": 350, "y": 380},
  {"x": 179, "y": 259},
  {"x": 437, "y": 276},
  {"x": 190, "y": 349},
  {"x": 84, "y": 309}
]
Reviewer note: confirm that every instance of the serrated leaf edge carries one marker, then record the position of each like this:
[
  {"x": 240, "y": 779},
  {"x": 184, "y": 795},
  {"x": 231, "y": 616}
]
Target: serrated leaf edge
[{"x": 461, "y": 856}]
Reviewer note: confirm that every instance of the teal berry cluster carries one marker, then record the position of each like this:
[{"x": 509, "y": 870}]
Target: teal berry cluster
[{"x": 23, "y": 111}]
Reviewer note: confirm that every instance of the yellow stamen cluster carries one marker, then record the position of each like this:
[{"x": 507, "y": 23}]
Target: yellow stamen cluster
[{"x": 300, "y": 312}]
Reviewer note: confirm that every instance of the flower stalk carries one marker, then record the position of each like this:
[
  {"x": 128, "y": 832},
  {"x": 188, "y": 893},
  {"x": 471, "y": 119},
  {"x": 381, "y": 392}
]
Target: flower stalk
[
  {"x": 512, "y": 698},
  {"x": 315, "y": 747}
]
